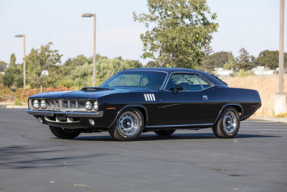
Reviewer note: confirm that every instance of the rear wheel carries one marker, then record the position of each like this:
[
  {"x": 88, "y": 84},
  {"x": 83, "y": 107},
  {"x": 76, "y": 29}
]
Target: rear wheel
[
  {"x": 228, "y": 123},
  {"x": 165, "y": 132},
  {"x": 63, "y": 133},
  {"x": 128, "y": 125}
]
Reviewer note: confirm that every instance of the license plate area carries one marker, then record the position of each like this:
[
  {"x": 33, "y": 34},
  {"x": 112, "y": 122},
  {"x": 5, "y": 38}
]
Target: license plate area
[{"x": 61, "y": 117}]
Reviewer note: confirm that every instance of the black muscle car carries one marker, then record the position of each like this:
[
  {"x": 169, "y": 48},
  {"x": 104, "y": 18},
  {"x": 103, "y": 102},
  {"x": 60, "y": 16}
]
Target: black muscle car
[{"x": 147, "y": 99}]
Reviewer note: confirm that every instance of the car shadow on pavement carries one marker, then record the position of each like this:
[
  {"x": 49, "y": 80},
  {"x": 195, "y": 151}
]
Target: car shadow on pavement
[
  {"x": 176, "y": 136},
  {"x": 29, "y": 157}
]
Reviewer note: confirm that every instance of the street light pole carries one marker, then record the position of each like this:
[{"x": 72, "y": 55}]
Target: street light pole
[
  {"x": 281, "y": 47},
  {"x": 94, "y": 57},
  {"x": 24, "y": 65},
  {"x": 94, "y": 54},
  {"x": 280, "y": 100}
]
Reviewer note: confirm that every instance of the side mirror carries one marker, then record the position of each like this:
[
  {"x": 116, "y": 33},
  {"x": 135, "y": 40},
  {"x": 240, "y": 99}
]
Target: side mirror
[{"x": 178, "y": 88}]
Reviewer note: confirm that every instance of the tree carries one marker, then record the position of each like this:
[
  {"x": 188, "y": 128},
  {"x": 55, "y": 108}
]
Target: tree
[
  {"x": 12, "y": 60},
  {"x": 82, "y": 76},
  {"x": 243, "y": 60},
  {"x": 223, "y": 57},
  {"x": 253, "y": 61},
  {"x": 18, "y": 75},
  {"x": 152, "y": 64},
  {"x": 8, "y": 79},
  {"x": 1, "y": 78},
  {"x": 14, "y": 74},
  {"x": 207, "y": 50},
  {"x": 270, "y": 59},
  {"x": 80, "y": 60},
  {"x": 231, "y": 63},
  {"x": 2, "y": 66},
  {"x": 119, "y": 58},
  {"x": 217, "y": 59},
  {"x": 39, "y": 62},
  {"x": 182, "y": 29}
]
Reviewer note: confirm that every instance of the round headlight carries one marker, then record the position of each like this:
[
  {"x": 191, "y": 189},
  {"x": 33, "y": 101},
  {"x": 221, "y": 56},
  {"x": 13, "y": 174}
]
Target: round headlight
[
  {"x": 36, "y": 104},
  {"x": 88, "y": 105},
  {"x": 96, "y": 106},
  {"x": 43, "y": 104}
]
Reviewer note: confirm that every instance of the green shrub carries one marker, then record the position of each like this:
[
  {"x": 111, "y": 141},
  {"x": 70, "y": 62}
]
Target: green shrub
[
  {"x": 18, "y": 102},
  {"x": 67, "y": 83}
]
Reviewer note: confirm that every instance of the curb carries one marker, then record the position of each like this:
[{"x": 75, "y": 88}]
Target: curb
[
  {"x": 16, "y": 107},
  {"x": 274, "y": 119}
]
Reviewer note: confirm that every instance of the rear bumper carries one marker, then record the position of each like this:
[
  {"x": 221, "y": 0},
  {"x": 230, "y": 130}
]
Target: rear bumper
[{"x": 68, "y": 114}]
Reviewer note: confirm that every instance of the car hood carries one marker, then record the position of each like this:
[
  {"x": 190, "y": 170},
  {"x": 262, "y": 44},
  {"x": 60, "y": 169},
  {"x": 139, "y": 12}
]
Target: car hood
[{"x": 83, "y": 94}]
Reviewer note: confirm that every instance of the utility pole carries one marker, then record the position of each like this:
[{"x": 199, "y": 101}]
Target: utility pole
[
  {"x": 24, "y": 67},
  {"x": 94, "y": 56},
  {"x": 281, "y": 47},
  {"x": 281, "y": 97}
]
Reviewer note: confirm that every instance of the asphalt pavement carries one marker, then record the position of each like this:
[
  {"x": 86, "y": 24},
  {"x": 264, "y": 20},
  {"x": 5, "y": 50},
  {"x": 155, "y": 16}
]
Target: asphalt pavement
[{"x": 33, "y": 160}]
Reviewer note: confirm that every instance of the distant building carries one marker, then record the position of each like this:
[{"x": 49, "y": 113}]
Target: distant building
[
  {"x": 2, "y": 72},
  {"x": 260, "y": 71},
  {"x": 222, "y": 72}
]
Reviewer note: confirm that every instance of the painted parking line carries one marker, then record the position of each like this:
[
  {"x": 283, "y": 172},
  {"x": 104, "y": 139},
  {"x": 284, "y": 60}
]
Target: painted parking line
[
  {"x": 274, "y": 133},
  {"x": 264, "y": 129}
]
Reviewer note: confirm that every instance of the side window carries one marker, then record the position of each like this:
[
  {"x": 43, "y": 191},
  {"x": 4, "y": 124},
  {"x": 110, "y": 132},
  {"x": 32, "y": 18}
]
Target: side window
[
  {"x": 126, "y": 80},
  {"x": 189, "y": 82},
  {"x": 204, "y": 83}
]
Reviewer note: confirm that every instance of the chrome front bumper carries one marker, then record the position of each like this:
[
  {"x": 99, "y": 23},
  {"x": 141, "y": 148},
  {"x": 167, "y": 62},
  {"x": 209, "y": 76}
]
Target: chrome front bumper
[{"x": 68, "y": 114}]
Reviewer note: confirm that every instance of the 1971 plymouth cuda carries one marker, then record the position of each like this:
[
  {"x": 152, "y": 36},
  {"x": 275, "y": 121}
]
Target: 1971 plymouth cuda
[{"x": 147, "y": 99}]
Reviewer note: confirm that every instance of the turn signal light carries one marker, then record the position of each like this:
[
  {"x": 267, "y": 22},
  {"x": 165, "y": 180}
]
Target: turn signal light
[{"x": 92, "y": 122}]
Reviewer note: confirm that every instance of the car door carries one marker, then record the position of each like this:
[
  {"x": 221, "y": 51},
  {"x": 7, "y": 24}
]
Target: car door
[{"x": 188, "y": 106}]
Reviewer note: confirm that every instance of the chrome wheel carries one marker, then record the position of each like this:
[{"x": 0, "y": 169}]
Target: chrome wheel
[
  {"x": 230, "y": 122},
  {"x": 129, "y": 123}
]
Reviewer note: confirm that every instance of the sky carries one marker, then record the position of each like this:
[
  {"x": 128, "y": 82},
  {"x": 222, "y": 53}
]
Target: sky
[{"x": 252, "y": 24}]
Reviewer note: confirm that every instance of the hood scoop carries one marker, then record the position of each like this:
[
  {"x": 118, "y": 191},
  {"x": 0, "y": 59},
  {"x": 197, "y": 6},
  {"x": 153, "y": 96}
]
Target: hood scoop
[{"x": 93, "y": 89}]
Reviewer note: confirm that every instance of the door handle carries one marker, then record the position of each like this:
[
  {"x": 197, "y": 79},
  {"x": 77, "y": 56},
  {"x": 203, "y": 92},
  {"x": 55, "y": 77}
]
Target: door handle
[{"x": 205, "y": 97}]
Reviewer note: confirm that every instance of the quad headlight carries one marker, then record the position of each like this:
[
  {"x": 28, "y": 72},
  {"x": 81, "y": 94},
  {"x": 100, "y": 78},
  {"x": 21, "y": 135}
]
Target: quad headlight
[
  {"x": 36, "y": 104},
  {"x": 88, "y": 105},
  {"x": 43, "y": 104},
  {"x": 96, "y": 106}
]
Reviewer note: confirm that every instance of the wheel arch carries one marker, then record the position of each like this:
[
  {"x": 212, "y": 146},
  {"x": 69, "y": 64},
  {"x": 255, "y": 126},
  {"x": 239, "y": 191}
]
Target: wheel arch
[
  {"x": 142, "y": 109},
  {"x": 237, "y": 106}
]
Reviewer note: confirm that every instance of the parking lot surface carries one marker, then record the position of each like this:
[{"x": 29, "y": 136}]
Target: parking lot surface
[{"x": 33, "y": 160}]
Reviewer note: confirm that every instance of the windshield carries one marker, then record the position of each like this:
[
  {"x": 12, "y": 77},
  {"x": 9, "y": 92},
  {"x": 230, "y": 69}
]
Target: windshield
[{"x": 137, "y": 79}]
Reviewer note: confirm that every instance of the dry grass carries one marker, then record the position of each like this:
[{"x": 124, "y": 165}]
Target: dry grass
[{"x": 266, "y": 86}]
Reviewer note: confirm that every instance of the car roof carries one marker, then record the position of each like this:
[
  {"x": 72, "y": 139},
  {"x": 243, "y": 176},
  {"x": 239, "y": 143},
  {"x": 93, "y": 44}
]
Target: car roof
[
  {"x": 166, "y": 69},
  {"x": 213, "y": 79}
]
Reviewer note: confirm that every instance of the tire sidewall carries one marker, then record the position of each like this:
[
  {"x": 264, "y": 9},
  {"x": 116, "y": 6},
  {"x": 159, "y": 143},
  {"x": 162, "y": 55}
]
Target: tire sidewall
[
  {"x": 117, "y": 133},
  {"x": 222, "y": 129},
  {"x": 165, "y": 132},
  {"x": 60, "y": 133}
]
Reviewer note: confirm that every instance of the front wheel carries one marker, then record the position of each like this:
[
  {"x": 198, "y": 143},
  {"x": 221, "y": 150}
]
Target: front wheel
[
  {"x": 228, "y": 123},
  {"x": 63, "y": 133},
  {"x": 128, "y": 125}
]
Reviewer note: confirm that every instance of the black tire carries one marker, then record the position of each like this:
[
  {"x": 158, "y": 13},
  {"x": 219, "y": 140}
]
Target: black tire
[
  {"x": 128, "y": 125},
  {"x": 165, "y": 132},
  {"x": 228, "y": 123},
  {"x": 64, "y": 133}
]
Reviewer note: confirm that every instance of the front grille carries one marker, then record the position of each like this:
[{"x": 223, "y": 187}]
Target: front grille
[
  {"x": 53, "y": 105},
  {"x": 72, "y": 105},
  {"x": 61, "y": 105}
]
